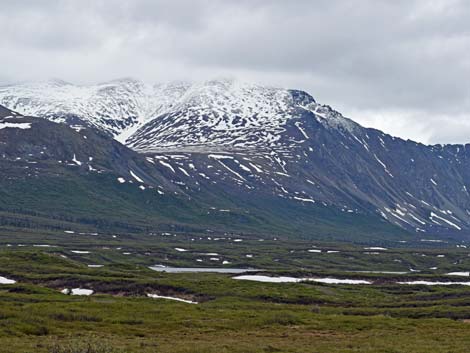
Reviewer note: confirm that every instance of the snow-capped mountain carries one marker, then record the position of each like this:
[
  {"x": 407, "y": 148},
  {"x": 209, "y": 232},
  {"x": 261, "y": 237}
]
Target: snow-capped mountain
[
  {"x": 217, "y": 114},
  {"x": 114, "y": 107},
  {"x": 263, "y": 146}
]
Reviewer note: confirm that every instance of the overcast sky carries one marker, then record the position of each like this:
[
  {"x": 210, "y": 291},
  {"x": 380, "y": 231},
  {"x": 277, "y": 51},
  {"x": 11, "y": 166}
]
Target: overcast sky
[{"x": 400, "y": 66}]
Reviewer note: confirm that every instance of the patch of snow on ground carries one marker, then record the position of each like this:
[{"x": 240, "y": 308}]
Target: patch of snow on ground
[
  {"x": 429, "y": 283},
  {"x": 339, "y": 281},
  {"x": 155, "y": 296},
  {"x": 77, "y": 291},
  {"x": 304, "y": 199},
  {"x": 285, "y": 279},
  {"x": 433, "y": 215},
  {"x": 168, "y": 165},
  {"x": 22, "y": 126},
  {"x": 4, "y": 280},
  {"x": 136, "y": 177},
  {"x": 75, "y": 160},
  {"x": 465, "y": 274}
]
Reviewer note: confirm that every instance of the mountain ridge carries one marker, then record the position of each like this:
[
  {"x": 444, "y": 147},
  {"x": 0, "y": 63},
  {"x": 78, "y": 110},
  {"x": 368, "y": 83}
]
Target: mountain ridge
[
  {"x": 235, "y": 137},
  {"x": 119, "y": 106}
]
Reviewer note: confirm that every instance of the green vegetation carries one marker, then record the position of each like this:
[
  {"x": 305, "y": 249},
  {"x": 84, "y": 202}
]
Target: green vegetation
[
  {"x": 88, "y": 345},
  {"x": 62, "y": 199},
  {"x": 231, "y": 315}
]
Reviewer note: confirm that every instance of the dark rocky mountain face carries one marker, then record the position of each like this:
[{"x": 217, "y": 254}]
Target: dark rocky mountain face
[
  {"x": 57, "y": 177},
  {"x": 5, "y": 112},
  {"x": 51, "y": 171},
  {"x": 252, "y": 154}
]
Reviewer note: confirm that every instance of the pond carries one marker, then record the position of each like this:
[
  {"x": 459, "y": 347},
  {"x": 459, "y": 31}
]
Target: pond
[{"x": 201, "y": 269}]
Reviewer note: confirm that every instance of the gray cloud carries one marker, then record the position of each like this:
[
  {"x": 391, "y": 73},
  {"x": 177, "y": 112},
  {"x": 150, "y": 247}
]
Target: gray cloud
[{"x": 401, "y": 66}]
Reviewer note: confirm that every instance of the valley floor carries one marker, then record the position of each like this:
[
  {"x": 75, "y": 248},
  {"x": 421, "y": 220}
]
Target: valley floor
[{"x": 230, "y": 315}]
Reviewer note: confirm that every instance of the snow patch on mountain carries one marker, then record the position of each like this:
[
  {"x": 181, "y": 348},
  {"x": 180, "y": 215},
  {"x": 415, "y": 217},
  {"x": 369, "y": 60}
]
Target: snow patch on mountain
[{"x": 216, "y": 114}]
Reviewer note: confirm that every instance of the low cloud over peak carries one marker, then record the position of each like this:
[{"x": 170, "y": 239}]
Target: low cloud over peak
[{"x": 401, "y": 66}]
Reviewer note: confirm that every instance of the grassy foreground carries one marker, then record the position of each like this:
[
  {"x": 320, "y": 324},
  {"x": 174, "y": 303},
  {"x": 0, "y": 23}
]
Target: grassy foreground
[{"x": 231, "y": 315}]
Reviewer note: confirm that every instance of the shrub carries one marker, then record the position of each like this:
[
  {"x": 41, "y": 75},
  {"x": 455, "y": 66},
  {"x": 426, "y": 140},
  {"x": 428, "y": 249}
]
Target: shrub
[
  {"x": 83, "y": 345},
  {"x": 283, "y": 319}
]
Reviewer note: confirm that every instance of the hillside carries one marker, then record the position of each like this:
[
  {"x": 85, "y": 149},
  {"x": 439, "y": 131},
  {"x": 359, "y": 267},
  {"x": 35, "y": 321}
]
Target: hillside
[{"x": 271, "y": 153}]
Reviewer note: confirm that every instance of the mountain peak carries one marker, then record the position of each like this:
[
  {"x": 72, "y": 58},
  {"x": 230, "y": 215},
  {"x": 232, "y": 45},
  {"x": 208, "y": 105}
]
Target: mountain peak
[
  {"x": 255, "y": 140},
  {"x": 224, "y": 111}
]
